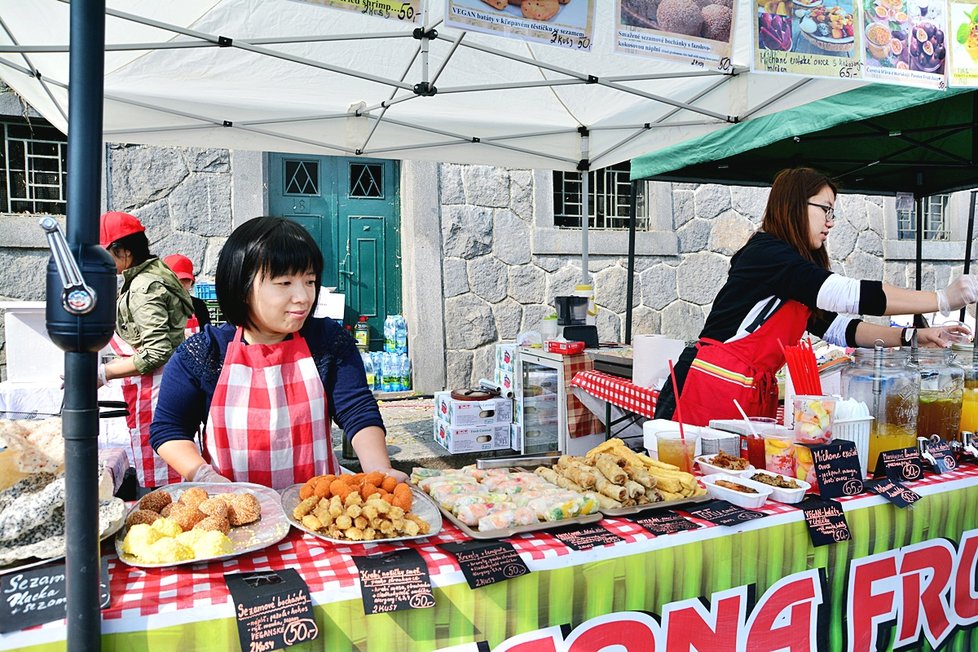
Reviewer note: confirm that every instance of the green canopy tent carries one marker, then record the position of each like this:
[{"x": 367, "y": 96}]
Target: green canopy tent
[{"x": 876, "y": 139}]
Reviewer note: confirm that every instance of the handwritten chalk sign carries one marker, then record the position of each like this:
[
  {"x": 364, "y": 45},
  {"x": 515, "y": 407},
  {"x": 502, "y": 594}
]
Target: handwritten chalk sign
[
  {"x": 940, "y": 451},
  {"x": 394, "y": 581},
  {"x": 487, "y": 562},
  {"x": 664, "y": 522},
  {"x": 837, "y": 469},
  {"x": 900, "y": 464},
  {"x": 585, "y": 537},
  {"x": 826, "y": 522},
  {"x": 720, "y": 512},
  {"x": 894, "y": 491},
  {"x": 273, "y": 609},
  {"x": 37, "y": 596}
]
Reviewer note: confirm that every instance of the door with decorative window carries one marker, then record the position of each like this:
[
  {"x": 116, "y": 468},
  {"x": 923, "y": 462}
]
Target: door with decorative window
[{"x": 352, "y": 208}]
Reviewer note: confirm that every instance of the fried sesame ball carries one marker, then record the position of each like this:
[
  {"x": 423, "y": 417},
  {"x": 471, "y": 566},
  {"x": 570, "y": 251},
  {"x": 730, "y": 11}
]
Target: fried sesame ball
[
  {"x": 214, "y": 507},
  {"x": 142, "y": 516},
  {"x": 193, "y": 497},
  {"x": 214, "y": 523},
  {"x": 155, "y": 501},
  {"x": 243, "y": 509},
  {"x": 186, "y": 517}
]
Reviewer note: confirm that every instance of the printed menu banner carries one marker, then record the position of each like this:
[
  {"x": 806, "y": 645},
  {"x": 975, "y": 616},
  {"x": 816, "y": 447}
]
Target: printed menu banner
[
  {"x": 905, "y": 42},
  {"x": 409, "y": 10},
  {"x": 815, "y": 38},
  {"x": 487, "y": 562},
  {"x": 563, "y": 23},
  {"x": 693, "y": 31},
  {"x": 394, "y": 581},
  {"x": 273, "y": 609},
  {"x": 963, "y": 43}
]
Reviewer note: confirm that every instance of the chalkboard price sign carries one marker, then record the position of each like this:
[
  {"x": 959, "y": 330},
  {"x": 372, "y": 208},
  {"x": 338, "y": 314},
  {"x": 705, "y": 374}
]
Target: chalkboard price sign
[
  {"x": 273, "y": 609},
  {"x": 394, "y": 581},
  {"x": 37, "y": 596},
  {"x": 487, "y": 562}
]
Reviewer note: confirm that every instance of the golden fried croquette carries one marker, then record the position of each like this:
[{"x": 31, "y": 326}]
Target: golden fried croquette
[
  {"x": 155, "y": 501},
  {"x": 243, "y": 509},
  {"x": 213, "y": 523},
  {"x": 214, "y": 507},
  {"x": 388, "y": 484},
  {"x": 193, "y": 497},
  {"x": 306, "y": 491},
  {"x": 142, "y": 516},
  {"x": 374, "y": 477}
]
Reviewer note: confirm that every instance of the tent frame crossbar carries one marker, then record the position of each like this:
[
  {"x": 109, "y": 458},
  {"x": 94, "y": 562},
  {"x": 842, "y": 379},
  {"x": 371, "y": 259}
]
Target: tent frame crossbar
[{"x": 32, "y": 71}]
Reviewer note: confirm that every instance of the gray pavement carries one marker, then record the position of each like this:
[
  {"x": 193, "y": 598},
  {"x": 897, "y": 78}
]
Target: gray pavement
[{"x": 410, "y": 438}]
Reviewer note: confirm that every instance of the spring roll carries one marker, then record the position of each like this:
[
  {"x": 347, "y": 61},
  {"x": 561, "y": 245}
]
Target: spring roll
[
  {"x": 604, "y": 502},
  {"x": 611, "y": 490},
  {"x": 609, "y": 469},
  {"x": 634, "y": 489}
]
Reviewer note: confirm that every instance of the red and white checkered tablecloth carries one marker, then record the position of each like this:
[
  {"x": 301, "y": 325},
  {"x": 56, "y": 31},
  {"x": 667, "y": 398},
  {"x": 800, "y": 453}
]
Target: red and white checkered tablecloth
[
  {"x": 581, "y": 422},
  {"x": 618, "y": 391}
]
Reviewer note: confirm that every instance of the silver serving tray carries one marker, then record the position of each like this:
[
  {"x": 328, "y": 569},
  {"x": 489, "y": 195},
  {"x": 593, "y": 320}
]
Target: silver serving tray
[
  {"x": 519, "y": 529},
  {"x": 423, "y": 506},
  {"x": 664, "y": 504},
  {"x": 33, "y": 562},
  {"x": 268, "y": 530},
  {"x": 520, "y": 461}
]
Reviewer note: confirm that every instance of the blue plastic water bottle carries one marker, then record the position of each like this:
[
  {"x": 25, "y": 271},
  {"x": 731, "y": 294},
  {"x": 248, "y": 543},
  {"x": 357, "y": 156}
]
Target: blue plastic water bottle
[
  {"x": 405, "y": 372},
  {"x": 390, "y": 333},
  {"x": 400, "y": 334},
  {"x": 368, "y": 368}
]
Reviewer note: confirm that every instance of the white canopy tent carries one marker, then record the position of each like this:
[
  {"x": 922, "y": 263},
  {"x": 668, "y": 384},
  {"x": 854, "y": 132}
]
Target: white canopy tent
[{"x": 279, "y": 75}]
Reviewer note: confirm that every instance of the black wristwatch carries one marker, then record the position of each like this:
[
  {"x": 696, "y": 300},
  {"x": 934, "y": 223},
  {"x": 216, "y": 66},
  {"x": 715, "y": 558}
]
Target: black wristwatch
[{"x": 906, "y": 335}]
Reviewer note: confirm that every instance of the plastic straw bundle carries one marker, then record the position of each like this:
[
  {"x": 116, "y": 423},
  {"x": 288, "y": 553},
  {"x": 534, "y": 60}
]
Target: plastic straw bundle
[{"x": 803, "y": 368}]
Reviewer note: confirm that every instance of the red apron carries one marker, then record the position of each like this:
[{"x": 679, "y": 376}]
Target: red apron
[
  {"x": 743, "y": 369},
  {"x": 268, "y": 421},
  {"x": 140, "y": 394},
  {"x": 193, "y": 326}
]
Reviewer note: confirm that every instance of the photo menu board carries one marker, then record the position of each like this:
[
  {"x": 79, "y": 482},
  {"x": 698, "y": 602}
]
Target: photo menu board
[
  {"x": 561, "y": 23},
  {"x": 689, "y": 31},
  {"x": 890, "y": 41},
  {"x": 401, "y": 10},
  {"x": 962, "y": 43}
]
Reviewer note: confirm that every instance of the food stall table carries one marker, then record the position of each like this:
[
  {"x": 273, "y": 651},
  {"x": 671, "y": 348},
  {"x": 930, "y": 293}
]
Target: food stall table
[
  {"x": 912, "y": 568},
  {"x": 634, "y": 401}
]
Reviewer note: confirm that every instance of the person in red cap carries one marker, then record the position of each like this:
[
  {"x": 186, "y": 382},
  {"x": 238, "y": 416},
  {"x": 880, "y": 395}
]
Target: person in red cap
[
  {"x": 151, "y": 314},
  {"x": 183, "y": 267}
]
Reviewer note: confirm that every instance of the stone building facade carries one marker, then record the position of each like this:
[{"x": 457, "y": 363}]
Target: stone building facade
[{"x": 501, "y": 260}]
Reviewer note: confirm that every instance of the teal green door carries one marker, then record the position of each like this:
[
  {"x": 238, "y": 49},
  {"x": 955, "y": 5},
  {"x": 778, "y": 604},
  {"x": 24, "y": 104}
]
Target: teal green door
[{"x": 351, "y": 207}]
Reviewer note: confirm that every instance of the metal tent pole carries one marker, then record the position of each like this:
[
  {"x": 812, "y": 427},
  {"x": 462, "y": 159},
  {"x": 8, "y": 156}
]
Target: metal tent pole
[
  {"x": 80, "y": 312},
  {"x": 918, "y": 202},
  {"x": 585, "y": 168},
  {"x": 967, "y": 243},
  {"x": 630, "y": 287}
]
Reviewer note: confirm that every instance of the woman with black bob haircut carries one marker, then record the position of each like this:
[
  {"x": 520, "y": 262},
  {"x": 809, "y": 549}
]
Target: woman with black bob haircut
[
  {"x": 781, "y": 284},
  {"x": 267, "y": 384},
  {"x": 151, "y": 314}
]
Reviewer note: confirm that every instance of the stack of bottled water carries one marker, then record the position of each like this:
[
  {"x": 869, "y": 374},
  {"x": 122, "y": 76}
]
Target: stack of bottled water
[{"x": 392, "y": 367}]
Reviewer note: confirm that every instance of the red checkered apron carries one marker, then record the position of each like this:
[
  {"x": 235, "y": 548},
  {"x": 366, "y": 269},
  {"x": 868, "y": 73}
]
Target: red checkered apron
[
  {"x": 140, "y": 394},
  {"x": 268, "y": 421}
]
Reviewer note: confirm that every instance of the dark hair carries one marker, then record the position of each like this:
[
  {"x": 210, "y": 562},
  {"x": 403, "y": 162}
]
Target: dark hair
[
  {"x": 136, "y": 244},
  {"x": 786, "y": 215},
  {"x": 264, "y": 246}
]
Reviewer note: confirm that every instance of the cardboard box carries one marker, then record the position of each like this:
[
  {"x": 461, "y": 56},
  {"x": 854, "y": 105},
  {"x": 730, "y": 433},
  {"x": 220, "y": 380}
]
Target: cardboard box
[
  {"x": 472, "y": 439},
  {"x": 516, "y": 437},
  {"x": 508, "y": 381},
  {"x": 473, "y": 413},
  {"x": 506, "y": 356},
  {"x": 651, "y": 355}
]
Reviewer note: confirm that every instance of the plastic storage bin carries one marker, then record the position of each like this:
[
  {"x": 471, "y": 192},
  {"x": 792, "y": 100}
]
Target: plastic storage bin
[{"x": 857, "y": 431}]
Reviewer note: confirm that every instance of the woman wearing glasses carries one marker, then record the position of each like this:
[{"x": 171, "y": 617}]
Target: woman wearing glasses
[{"x": 780, "y": 284}]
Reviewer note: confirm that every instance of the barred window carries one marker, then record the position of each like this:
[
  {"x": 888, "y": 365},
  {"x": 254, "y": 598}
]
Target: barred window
[
  {"x": 609, "y": 202},
  {"x": 936, "y": 222},
  {"x": 33, "y": 168}
]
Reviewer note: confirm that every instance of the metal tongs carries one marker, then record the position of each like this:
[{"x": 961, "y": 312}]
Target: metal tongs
[{"x": 77, "y": 297}]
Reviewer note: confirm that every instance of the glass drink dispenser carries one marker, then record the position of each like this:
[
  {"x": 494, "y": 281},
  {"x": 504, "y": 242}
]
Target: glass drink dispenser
[
  {"x": 889, "y": 385},
  {"x": 941, "y": 391}
]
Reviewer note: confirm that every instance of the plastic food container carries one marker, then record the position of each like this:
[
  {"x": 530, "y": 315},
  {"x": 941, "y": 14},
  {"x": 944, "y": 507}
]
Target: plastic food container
[
  {"x": 813, "y": 418},
  {"x": 703, "y": 462},
  {"x": 564, "y": 348},
  {"x": 789, "y": 496},
  {"x": 738, "y": 498}
]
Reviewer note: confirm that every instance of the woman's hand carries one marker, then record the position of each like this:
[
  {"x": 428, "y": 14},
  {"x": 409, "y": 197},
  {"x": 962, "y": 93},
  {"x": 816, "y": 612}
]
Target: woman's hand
[
  {"x": 932, "y": 337},
  {"x": 400, "y": 476},
  {"x": 207, "y": 473}
]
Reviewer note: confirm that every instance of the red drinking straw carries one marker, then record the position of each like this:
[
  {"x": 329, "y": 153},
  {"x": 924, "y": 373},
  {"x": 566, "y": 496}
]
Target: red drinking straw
[{"x": 679, "y": 412}]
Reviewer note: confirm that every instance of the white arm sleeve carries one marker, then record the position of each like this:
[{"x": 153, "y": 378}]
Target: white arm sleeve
[
  {"x": 839, "y": 294},
  {"x": 836, "y": 332}
]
